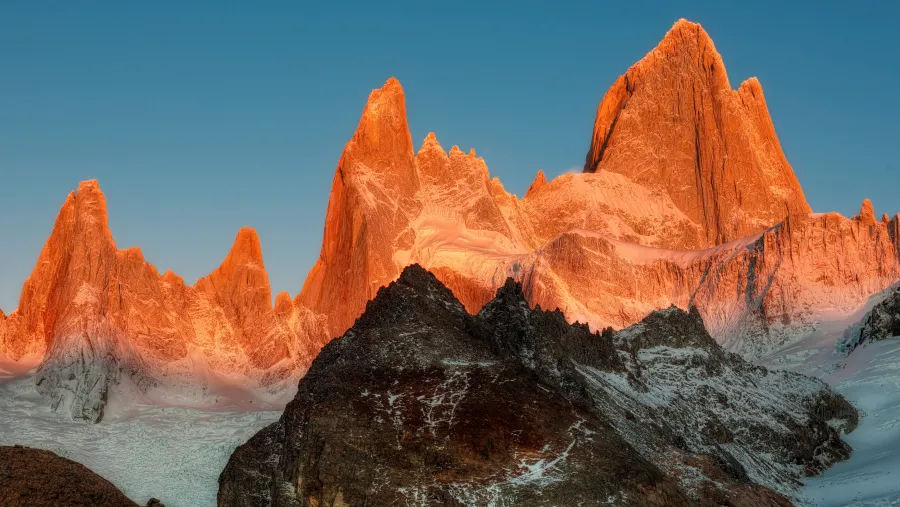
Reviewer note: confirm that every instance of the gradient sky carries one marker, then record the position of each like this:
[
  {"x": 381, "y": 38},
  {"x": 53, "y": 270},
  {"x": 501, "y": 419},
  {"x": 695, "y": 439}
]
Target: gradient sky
[{"x": 200, "y": 119}]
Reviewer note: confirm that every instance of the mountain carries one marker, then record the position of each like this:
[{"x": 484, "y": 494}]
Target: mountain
[
  {"x": 100, "y": 316},
  {"x": 686, "y": 199},
  {"x": 673, "y": 125},
  {"x": 422, "y": 402}
]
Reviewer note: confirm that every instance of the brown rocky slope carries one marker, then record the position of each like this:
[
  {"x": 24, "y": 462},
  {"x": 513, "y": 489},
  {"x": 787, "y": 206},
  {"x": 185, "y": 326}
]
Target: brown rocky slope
[{"x": 36, "y": 478}]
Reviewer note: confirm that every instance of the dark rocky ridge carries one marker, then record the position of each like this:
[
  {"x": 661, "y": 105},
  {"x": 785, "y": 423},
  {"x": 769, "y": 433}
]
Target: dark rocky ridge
[
  {"x": 421, "y": 403},
  {"x": 34, "y": 478},
  {"x": 879, "y": 324}
]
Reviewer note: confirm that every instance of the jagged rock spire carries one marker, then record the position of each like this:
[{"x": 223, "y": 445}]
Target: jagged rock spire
[
  {"x": 539, "y": 181},
  {"x": 866, "y": 213},
  {"x": 673, "y": 124}
]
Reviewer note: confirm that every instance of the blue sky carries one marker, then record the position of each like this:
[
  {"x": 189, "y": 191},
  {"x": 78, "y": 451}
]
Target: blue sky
[{"x": 200, "y": 119}]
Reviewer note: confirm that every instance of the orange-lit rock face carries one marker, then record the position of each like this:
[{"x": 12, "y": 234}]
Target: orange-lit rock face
[
  {"x": 893, "y": 227},
  {"x": 87, "y": 302},
  {"x": 673, "y": 125},
  {"x": 240, "y": 287},
  {"x": 372, "y": 198},
  {"x": 866, "y": 213},
  {"x": 680, "y": 163},
  {"x": 754, "y": 293},
  {"x": 539, "y": 181}
]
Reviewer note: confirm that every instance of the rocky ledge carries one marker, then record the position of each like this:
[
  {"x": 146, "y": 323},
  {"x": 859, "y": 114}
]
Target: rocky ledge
[{"x": 420, "y": 403}]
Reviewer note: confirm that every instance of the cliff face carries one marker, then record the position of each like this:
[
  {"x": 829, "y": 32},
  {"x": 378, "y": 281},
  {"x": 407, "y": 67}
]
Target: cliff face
[
  {"x": 99, "y": 314},
  {"x": 372, "y": 200},
  {"x": 673, "y": 124},
  {"x": 755, "y": 294}
]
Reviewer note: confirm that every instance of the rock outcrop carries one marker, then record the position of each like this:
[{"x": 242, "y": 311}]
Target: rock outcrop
[
  {"x": 881, "y": 323},
  {"x": 33, "y": 477},
  {"x": 539, "y": 181},
  {"x": 673, "y": 125},
  {"x": 421, "y": 402},
  {"x": 99, "y": 314},
  {"x": 866, "y": 213}
]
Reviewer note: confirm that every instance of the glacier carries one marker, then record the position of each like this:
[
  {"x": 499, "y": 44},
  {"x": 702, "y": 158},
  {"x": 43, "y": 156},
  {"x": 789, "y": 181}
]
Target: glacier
[
  {"x": 869, "y": 378},
  {"x": 173, "y": 453}
]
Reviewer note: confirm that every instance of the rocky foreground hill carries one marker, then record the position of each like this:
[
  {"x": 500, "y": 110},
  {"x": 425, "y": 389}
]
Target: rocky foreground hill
[
  {"x": 37, "y": 478},
  {"x": 421, "y": 403}
]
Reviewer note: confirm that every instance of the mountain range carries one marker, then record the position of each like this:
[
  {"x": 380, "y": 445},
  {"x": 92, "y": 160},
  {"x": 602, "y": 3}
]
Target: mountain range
[{"x": 686, "y": 199}]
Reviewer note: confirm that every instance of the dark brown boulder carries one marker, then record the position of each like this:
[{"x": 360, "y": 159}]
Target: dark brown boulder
[{"x": 35, "y": 478}]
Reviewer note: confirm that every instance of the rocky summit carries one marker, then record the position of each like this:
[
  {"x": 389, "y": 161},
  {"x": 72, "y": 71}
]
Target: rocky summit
[
  {"x": 422, "y": 403},
  {"x": 673, "y": 124}
]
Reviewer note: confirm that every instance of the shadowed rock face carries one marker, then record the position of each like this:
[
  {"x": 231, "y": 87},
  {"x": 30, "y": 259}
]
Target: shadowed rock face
[
  {"x": 423, "y": 403},
  {"x": 881, "y": 323},
  {"x": 34, "y": 478}
]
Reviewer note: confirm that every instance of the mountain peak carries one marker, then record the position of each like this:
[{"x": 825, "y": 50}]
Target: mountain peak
[
  {"x": 382, "y": 141},
  {"x": 246, "y": 248},
  {"x": 431, "y": 144},
  {"x": 90, "y": 208},
  {"x": 283, "y": 303},
  {"x": 415, "y": 295},
  {"x": 690, "y": 41},
  {"x": 539, "y": 181},
  {"x": 673, "y": 124},
  {"x": 385, "y": 109},
  {"x": 172, "y": 278},
  {"x": 387, "y": 99},
  {"x": 684, "y": 32},
  {"x": 866, "y": 213},
  {"x": 375, "y": 175}
]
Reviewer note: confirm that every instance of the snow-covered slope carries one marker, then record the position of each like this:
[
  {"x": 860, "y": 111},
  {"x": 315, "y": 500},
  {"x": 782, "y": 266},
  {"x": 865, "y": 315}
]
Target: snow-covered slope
[
  {"x": 870, "y": 379},
  {"x": 146, "y": 450},
  {"x": 868, "y": 375}
]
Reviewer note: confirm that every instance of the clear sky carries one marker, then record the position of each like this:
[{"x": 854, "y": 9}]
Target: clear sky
[{"x": 199, "y": 119}]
